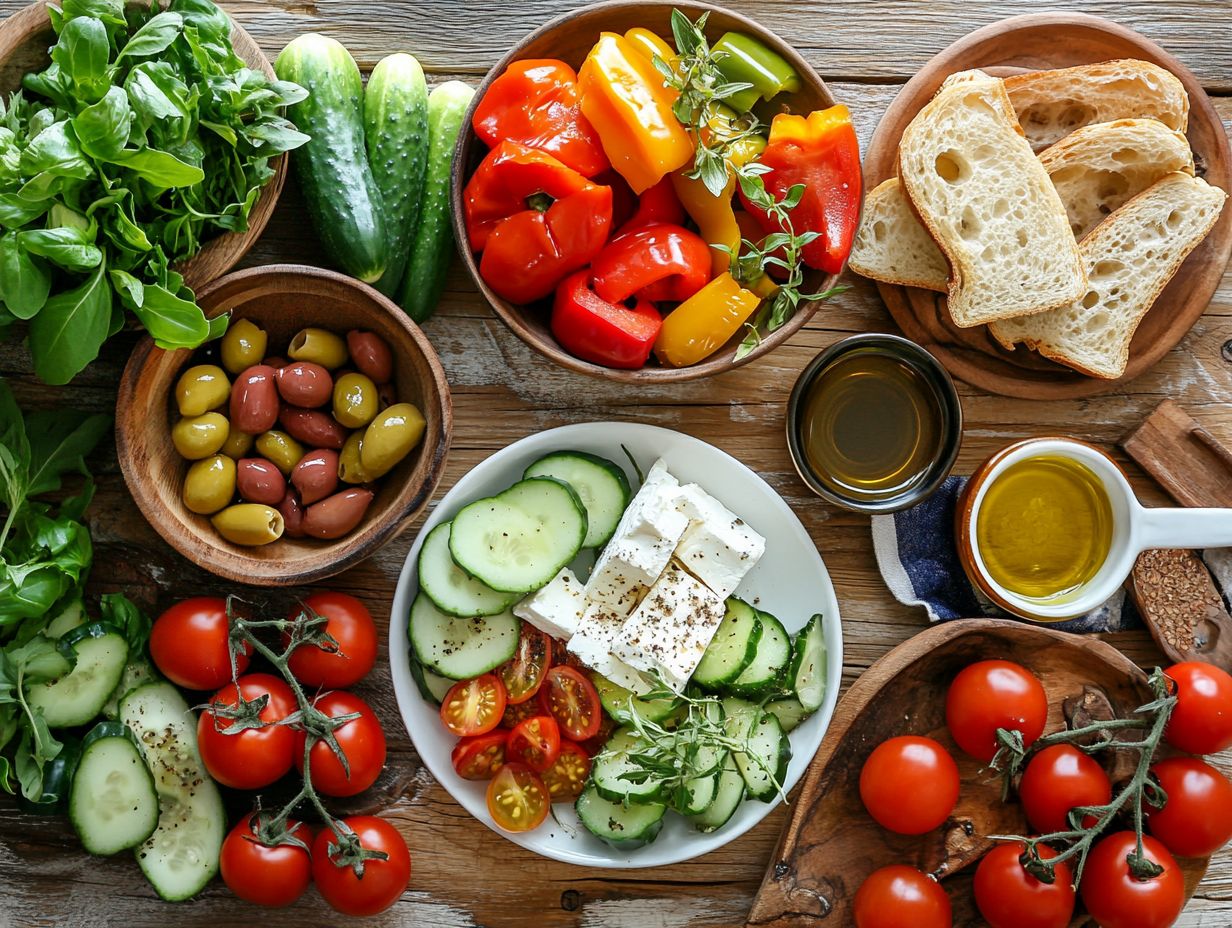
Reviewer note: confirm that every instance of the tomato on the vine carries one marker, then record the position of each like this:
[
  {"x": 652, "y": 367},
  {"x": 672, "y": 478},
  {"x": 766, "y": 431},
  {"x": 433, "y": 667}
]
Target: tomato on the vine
[
  {"x": 897, "y": 896},
  {"x": 571, "y": 699},
  {"x": 350, "y": 624},
  {"x": 517, "y": 798},
  {"x": 566, "y": 778},
  {"x": 1197, "y": 818},
  {"x": 1057, "y": 779},
  {"x": 1201, "y": 722},
  {"x": 523, "y": 673},
  {"x": 535, "y": 743},
  {"x": 263, "y": 875},
  {"x": 362, "y": 741},
  {"x": 383, "y": 881},
  {"x": 989, "y": 695},
  {"x": 909, "y": 784},
  {"x": 190, "y": 644},
  {"x": 474, "y": 707},
  {"x": 1115, "y": 898},
  {"x": 1009, "y": 897},
  {"x": 480, "y": 756},
  {"x": 252, "y": 757}
]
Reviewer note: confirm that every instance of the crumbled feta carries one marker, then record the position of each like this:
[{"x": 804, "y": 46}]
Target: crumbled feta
[
  {"x": 556, "y": 608},
  {"x": 718, "y": 547},
  {"x": 592, "y": 645}
]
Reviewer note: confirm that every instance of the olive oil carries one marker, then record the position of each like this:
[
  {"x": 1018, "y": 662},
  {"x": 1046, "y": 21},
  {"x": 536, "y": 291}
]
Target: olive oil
[
  {"x": 1044, "y": 527},
  {"x": 872, "y": 426}
]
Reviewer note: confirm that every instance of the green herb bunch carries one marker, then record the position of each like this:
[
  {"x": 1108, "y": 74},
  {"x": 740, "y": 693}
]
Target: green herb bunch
[{"x": 145, "y": 137}]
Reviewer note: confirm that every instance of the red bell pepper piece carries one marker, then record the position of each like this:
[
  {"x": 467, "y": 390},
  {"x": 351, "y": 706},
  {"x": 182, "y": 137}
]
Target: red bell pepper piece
[
  {"x": 821, "y": 152},
  {"x": 591, "y": 328},
  {"x": 656, "y": 262},
  {"x": 538, "y": 102},
  {"x": 656, "y": 204}
]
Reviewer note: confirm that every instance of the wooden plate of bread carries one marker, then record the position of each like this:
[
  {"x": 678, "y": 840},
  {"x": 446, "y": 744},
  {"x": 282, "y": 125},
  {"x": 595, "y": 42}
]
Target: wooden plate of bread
[{"x": 1046, "y": 206}]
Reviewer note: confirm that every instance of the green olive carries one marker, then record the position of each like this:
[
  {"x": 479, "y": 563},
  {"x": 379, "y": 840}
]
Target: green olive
[
  {"x": 243, "y": 345},
  {"x": 210, "y": 484},
  {"x": 198, "y": 437},
  {"x": 280, "y": 449},
  {"x": 349, "y": 469},
  {"x": 249, "y": 524},
  {"x": 238, "y": 444},
  {"x": 390, "y": 438},
  {"x": 355, "y": 400},
  {"x": 319, "y": 346},
  {"x": 202, "y": 388}
]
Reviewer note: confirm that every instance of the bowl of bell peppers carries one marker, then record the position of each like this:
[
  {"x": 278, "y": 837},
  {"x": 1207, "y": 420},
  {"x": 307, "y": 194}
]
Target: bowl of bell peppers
[{"x": 655, "y": 191}]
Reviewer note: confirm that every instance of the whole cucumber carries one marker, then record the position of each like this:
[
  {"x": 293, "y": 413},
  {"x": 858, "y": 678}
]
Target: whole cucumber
[
  {"x": 425, "y": 274},
  {"x": 332, "y": 168},
  {"x": 396, "y": 130}
]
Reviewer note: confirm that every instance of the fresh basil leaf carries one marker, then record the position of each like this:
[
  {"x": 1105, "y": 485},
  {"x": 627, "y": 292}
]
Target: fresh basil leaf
[
  {"x": 154, "y": 36},
  {"x": 147, "y": 98},
  {"x": 117, "y": 319},
  {"x": 25, "y": 282},
  {"x": 128, "y": 233},
  {"x": 109, "y": 11},
  {"x": 16, "y": 212},
  {"x": 275, "y": 135},
  {"x": 171, "y": 321},
  {"x": 122, "y": 612},
  {"x": 59, "y": 442},
  {"x": 71, "y": 328},
  {"x": 55, "y": 151},
  {"x": 82, "y": 53},
  {"x": 102, "y": 128},
  {"x": 288, "y": 93},
  {"x": 65, "y": 247},
  {"x": 50, "y": 84},
  {"x": 218, "y": 326},
  {"x": 160, "y": 168},
  {"x": 131, "y": 290},
  {"x": 210, "y": 21},
  {"x": 36, "y": 661},
  {"x": 13, "y": 436}
]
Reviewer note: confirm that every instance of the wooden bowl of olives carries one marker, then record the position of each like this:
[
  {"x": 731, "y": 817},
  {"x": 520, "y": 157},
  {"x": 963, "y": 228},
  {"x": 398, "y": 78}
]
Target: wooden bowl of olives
[{"x": 291, "y": 448}]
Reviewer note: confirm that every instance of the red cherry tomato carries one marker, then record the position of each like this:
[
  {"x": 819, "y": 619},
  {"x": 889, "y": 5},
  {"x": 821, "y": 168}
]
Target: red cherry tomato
[
  {"x": 566, "y": 778},
  {"x": 914, "y": 767},
  {"x": 898, "y": 896},
  {"x": 1197, "y": 818},
  {"x": 350, "y": 624},
  {"x": 361, "y": 740},
  {"x": 474, "y": 707},
  {"x": 252, "y": 757},
  {"x": 515, "y": 714},
  {"x": 535, "y": 743},
  {"x": 1117, "y": 899},
  {"x": 189, "y": 644},
  {"x": 271, "y": 876},
  {"x": 1201, "y": 723},
  {"x": 1057, "y": 779},
  {"x": 383, "y": 881},
  {"x": 1009, "y": 897},
  {"x": 479, "y": 757},
  {"x": 573, "y": 701},
  {"x": 991, "y": 695},
  {"x": 517, "y": 798},
  {"x": 523, "y": 673}
]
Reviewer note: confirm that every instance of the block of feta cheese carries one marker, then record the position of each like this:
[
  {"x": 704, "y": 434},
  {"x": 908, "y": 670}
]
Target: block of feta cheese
[
  {"x": 643, "y": 543},
  {"x": 592, "y": 644},
  {"x": 556, "y": 608},
  {"x": 718, "y": 547},
  {"x": 670, "y": 630}
]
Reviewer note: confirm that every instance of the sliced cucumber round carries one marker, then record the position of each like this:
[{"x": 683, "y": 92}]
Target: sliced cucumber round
[
  {"x": 78, "y": 696},
  {"x": 113, "y": 804},
  {"x": 623, "y": 826},
  {"x": 763, "y": 763},
  {"x": 788, "y": 711},
  {"x": 68, "y": 618},
  {"x": 599, "y": 483},
  {"x": 517, "y": 541},
  {"x": 728, "y": 794},
  {"x": 696, "y": 795},
  {"x": 461, "y": 648},
  {"x": 448, "y": 585},
  {"x": 807, "y": 672},
  {"x": 616, "y": 702},
  {"x": 764, "y": 675},
  {"x": 732, "y": 648},
  {"x": 432, "y": 686},
  {"x": 613, "y": 763}
]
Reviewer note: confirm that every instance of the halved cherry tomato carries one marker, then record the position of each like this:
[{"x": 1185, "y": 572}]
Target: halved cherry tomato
[
  {"x": 989, "y": 695},
  {"x": 573, "y": 701},
  {"x": 535, "y": 743},
  {"x": 517, "y": 798},
  {"x": 566, "y": 778},
  {"x": 479, "y": 757},
  {"x": 516, "y": 713},
  {"x": 523, "y": 673},
  {"x": 474, "y": 707}
]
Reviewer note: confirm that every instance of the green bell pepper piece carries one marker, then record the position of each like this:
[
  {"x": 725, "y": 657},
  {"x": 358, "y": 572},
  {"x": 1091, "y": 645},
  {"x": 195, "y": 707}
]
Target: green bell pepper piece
[{"x": 745, "y": 60}]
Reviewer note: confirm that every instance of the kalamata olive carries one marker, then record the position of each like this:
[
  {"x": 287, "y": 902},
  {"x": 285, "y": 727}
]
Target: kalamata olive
[
  {"x": 249, "y": 524},
  {"x": 319, "y": 345},
  {"x": 349, "y": 468},
  {"x": 280, "y": 448},
  {"x": 243, "y": 345},
  {"x": 313, "y": 427},
  {"x": 238, "y": 444},
  {"x": 386, "y": 395},
  {"x": 355, "y": 400},
  {"x": 275, "y": 361},
  {"x": 316, "y": 475},
  {"x": 201, "y": 388},
  {"x": 390, "y": 437},
  {"x": 292, "y": 515},
  {"x": 260, "y": 481},
  {"x": 210, "y": 484},
  {"x": 198, "y": 437},
  {"x": 371, "y": 355},
  {"x": 336, "y": 515},
  {"x": 305, "y": 384},
  {"x": 254, "y": 400}
]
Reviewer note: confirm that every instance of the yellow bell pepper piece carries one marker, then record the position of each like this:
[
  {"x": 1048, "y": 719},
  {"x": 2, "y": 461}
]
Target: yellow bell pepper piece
[
  {"x": 720, "y": 125},
  {"x": 703, "y": 323},
  {"x": 715, "y": 218},
  {"x": 650, "y": 43},
  {"x": 624, "y": 98}
]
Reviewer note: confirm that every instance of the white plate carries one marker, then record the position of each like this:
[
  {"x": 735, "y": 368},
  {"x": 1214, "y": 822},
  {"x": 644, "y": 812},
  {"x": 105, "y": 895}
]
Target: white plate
[{"x": 790, "y": 581}]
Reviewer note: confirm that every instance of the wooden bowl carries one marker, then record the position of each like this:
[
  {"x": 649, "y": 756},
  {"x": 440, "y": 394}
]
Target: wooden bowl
[
  {"x": 282, "y": 299},
  {"x": 569, "y": 38},
  {"x": 26, "y": 37},
  {"x": 831, "y": 843},
  {"x": 1033, "y": 42}
]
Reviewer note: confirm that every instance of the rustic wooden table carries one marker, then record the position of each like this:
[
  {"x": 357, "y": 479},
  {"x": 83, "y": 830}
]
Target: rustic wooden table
[{"x": 465, "y": 874}]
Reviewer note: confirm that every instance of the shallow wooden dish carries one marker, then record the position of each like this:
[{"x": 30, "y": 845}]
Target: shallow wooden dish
[
  {"x": 25, "y": 38},
  {"x": 831, "y": 843},
  {"x": 282, "y": 299},
  {"x": 569, "y": 38},
  {"x": 1033, "y": 42}
]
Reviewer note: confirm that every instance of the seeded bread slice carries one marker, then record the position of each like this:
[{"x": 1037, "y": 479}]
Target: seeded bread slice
[
  {"x": 987, "y": 201},
  {"x": 892, "y": 246},
  {"x": 1129, "y": 258}
]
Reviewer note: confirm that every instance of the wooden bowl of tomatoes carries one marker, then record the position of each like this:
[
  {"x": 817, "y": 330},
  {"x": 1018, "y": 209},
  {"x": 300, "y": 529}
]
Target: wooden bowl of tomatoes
[{"x": 653, "y": 192}]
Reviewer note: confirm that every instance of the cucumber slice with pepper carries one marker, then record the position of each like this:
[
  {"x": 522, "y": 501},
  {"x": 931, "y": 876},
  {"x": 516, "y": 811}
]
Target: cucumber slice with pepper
[
  {"x": 97, "y": 653},
  {"x": 622, "y": 826},
  {"x": 602, "y": 487}
]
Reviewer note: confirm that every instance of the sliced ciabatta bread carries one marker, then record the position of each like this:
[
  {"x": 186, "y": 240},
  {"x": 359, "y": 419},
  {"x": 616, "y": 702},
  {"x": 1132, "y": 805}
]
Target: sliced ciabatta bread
[
  {"x": 987, "y": 201},
  {"x": 892, "y": 246},
  {"x": 1129, "y": 258},
  {"x": 1052, "y": 104}
]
